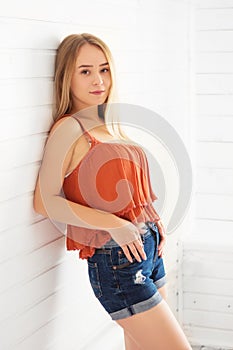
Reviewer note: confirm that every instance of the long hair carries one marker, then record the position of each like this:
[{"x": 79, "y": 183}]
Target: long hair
[{"x": 64, "y": 67}]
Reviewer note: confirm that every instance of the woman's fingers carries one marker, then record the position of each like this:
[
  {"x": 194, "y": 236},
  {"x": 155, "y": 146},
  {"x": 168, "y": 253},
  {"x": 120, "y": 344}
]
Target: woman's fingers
[
  {"x": 161, "y": 228},
  {"x": 163, "y": 237},
  {"x": 161, "y": 245},
  {"x": 127, "y": 253},
  {"x": 140, "y": 248},
  {"x": 135, "y": 249}
]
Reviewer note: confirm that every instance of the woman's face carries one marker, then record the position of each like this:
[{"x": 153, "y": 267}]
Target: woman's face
[{"x": 91, "y": 80}]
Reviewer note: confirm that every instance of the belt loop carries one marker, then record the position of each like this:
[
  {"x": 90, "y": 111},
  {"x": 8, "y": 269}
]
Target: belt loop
[
  {"x": 143, "y": 239},
  {"x": 146, "y": 227}
]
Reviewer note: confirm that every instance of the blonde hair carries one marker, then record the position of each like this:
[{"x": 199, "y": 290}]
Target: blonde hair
[{"x": 64, "y": 67}]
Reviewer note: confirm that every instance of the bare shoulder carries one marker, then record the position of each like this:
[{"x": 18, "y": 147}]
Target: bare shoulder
[
  {"x": 66, "y": 143},
  {"x": 66, "y": 124}
]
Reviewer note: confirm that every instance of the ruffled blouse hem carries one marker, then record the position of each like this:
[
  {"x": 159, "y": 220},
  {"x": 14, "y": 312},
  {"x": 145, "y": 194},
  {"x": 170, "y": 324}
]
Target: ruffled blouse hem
[{"x": 99, "y": 238}]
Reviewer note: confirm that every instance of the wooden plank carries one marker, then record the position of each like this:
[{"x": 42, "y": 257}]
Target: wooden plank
[
  {"x": 17, "y": 35},
  {"x": 18, "y": 181},
  {"x": 159, "y": 61},
  {"x": 26, "y": 267},
  {"x": 18, "y": 300},
  {"x": 26, "y": 64},
  {"x": 215, "y": 228},
  {"x": 212, "y": 255},
  {"x": 215, "y": 181},
  {"x": 218, "y": 84},
  {"x": 24, "y": 239},
  {"x": 214, "y": 3},
  {"x": 214, "y": 104},
  {"x": 214, "y": 62},
  {"x": 26, "y": 92},
  {"x": 209, "y": 337},
  {"x": 59, "y": 333},
  {"x": 208, "y": 319},
  {"x": 26, "y": 121},
  {"x": 61, "y": 325},
  {"x": 214, "y": 41},
  {"x": 109, "y": 13},
  {"x": 210, "y": 241},
  {"x": 25, "y": 296},
  {"x": 22, "y": 151},
  {"x": 207, "y": 285},
  {"x": 214, "y": 128},
  {"x": 110, "y": 334},
  {"x": 214, "y": 206},
  {"x": 205, "y": 264},
  {"x": 18, "y": 211},
  {"x": 216, "y": 303},
  {"x": 214, "y": 19},
  {"x": 115, "y": 35},
  {"x": 214, "y": 154},
  {"x": 127, "y": 82},
  {"x": 210, "y": 236},
  {"x": 27, "y": 323}
]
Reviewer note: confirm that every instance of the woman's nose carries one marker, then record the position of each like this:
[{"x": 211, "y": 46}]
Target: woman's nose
[{"x": 97, "y": 80}]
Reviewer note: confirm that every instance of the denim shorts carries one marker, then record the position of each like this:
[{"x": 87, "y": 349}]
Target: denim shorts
[{"x": 125, "y": 288}]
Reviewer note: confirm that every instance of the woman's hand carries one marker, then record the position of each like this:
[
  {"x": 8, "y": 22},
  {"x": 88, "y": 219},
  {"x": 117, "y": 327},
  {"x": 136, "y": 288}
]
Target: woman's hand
[
  {"x": 163, "y": 237},
  {"x": 128, "y": 236},
  {"x": 136, "y": 249}
]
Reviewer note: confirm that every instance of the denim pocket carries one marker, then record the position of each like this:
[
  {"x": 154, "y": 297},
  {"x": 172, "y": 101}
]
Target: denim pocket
[{"x": 94, "y": 278}]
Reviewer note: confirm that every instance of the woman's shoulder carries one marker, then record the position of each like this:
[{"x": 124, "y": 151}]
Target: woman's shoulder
[{"x": 66, "y": 123}]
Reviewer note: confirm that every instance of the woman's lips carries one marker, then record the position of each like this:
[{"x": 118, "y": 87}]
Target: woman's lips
[{"x": 97, "y": 92}]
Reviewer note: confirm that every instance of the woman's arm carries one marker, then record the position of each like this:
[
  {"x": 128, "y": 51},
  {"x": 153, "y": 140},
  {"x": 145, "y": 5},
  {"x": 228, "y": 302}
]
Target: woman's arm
[{"x": 48, "y": 200}]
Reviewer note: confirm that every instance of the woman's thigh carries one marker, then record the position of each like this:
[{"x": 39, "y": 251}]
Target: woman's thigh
[
  {"x": 163, "y": 292},
  {"x": 130, "y": 343},
  {"x": 156, "y": 328}
]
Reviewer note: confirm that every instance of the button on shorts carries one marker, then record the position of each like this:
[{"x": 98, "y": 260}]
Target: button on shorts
[{"x": 125, "y": 288}]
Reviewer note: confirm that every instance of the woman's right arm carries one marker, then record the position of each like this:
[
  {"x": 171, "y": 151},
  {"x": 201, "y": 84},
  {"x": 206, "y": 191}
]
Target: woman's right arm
[{"x": 49, "y": 202}]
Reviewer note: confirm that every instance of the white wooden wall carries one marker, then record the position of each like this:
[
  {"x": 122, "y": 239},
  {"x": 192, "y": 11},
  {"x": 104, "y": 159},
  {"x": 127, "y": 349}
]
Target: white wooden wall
[
  {"x": 208, "y": 252},
  {"x": 45, "y": 299}
]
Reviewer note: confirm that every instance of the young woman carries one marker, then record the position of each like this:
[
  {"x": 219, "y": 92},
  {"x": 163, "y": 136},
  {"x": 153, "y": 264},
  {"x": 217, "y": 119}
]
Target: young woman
[{"x": 97, "y": 181}]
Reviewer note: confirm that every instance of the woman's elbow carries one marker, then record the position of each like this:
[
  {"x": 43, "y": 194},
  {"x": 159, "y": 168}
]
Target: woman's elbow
[{"x": 38, "y": 205}]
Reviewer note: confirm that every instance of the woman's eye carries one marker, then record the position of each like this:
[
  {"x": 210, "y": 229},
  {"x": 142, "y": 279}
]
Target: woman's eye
[
  {"x": 85, "y": 72},
  {"x": 104, "y": 70}
]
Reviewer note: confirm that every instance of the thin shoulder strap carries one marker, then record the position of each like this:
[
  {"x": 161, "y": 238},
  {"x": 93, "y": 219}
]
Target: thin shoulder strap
[{"x": 85, "y": 132}]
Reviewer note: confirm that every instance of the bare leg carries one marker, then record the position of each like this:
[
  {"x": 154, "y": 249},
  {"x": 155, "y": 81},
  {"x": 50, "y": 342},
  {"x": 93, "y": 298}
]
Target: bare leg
[
  {"x": 163, "y": 292},
  {"x": 130, "y": 344},
  {"x": 156, "y": 327}
]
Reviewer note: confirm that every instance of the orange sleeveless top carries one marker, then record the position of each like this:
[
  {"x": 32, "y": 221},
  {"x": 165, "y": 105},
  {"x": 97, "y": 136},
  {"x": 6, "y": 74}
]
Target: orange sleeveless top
[{"x": 113, "y": 177}]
